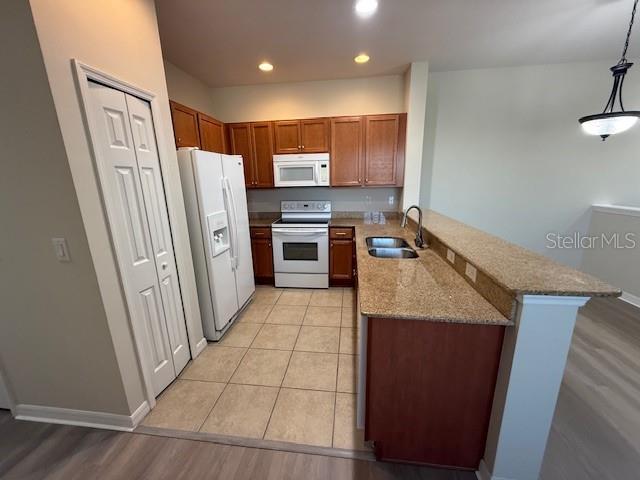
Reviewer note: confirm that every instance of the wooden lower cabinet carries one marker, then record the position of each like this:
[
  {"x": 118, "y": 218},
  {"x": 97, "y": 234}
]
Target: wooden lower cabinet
[
  {"x": 262, "y": 253},
  {"x": 341, "y": 257},
  {"x": 430, "y": 389}
]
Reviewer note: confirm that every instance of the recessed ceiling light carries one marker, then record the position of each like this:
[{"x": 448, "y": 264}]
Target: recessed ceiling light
[
  {"x": 366, "y": 8},
  {"x": 265, "y": 67},
  {"x": 362, "y": 58}
]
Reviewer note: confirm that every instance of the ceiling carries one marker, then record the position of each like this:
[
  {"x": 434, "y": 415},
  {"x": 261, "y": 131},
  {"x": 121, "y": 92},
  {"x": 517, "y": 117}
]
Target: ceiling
[{"x": 221, "y": 42}]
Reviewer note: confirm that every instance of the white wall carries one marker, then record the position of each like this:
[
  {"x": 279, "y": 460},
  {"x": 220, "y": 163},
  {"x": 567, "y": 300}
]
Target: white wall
[
  {"x": 281, "y": 101},
  {"x": 505, "y": 152},
  {"x": 415, "y": 91},
  {"x": 188, "y": 90},
  {"x": 618, "y": 266},
  {"x": 345, "y": 199},
  {"x": 55, "y": 345},
  {"x": 120, "y": 38}
]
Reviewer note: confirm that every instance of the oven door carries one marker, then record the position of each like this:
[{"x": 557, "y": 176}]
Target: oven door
[
  {"x": 300, "y": 250},
  {"x": 295, "y": 174}
]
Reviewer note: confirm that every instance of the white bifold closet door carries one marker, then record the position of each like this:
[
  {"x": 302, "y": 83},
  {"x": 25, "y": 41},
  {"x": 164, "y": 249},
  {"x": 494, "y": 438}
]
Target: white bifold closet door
[{"x": 129, "y": 170}]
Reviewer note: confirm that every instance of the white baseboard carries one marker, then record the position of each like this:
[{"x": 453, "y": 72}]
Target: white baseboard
[
  {"x": 81, "y": 418},
  {"x": 630, "y": 299},
  {"x": 483, "y": 473},
  {"x": 200, "y": 346}
]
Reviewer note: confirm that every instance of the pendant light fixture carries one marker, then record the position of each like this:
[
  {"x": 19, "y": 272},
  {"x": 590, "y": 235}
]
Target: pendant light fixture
[{"x": 610, "y": 122}]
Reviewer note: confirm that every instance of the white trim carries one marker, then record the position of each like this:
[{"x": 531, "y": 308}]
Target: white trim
[
  {"x": 617, "y": 210},
  {"x": 630, "y": 299},
  {"x": 84, "y": 73},
  {"x": 552, "y": 300},
  {"x": 82, "y": 418},
  {"x": 483, "y": 473},
  {"x": 7, "y": 389},
  {"x": 200, "y": 346}
]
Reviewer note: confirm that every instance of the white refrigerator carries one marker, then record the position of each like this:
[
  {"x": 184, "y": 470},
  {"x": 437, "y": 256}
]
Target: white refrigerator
[{"x": 216, "y": 205}]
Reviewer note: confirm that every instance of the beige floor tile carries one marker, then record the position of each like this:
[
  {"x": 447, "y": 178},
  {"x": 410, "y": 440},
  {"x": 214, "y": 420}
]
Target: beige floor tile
[
  {"x": 318, "y": 339},
  {"x": 327, "y": 298},
  {"x": 215, "y": 364},
  {"x": 184, "y": 405},
  {"x": 277, "y": 337},
  {"x": 295, "y": 297},
  {"x": 345, "y": 433},
  {"x": 262, "y": 367},
  {"x": 267, "y": 295},
  {"x": 287, "y": 314},
  {"x": 312, "y": 371},
  {"x": 302, "y": 416},
  {"x": 323, "y": 316},
  {"x": 240, "y": 335},
  {"x": 256, "y": 313},
  {"x": 349, "y": 317},
  {"x": 347, "y": 373},
  {"x": 348, "y": 297},
  {"x": 349, "y": 340},
  {"x": 242, "y": 411}
]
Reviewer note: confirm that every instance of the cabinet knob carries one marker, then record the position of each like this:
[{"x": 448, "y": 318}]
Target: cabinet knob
[{"x": 164, "y": 265}]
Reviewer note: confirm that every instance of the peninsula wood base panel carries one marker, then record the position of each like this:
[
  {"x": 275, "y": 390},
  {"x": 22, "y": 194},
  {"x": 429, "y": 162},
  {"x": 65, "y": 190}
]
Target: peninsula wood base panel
[{"x": 430, "y": 389}]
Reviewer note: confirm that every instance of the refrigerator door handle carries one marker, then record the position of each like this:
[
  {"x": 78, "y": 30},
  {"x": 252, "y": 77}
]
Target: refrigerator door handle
[{"x": 234, "y": 222}]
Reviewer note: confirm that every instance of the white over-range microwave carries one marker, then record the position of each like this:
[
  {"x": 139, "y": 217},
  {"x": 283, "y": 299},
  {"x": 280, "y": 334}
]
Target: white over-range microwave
[{"x": 301, "y": 170}]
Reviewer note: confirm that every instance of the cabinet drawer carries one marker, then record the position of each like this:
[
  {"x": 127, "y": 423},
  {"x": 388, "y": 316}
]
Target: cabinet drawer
[
  {"x": 260, "y": 232},
  {"x": 341, "y": 233}
]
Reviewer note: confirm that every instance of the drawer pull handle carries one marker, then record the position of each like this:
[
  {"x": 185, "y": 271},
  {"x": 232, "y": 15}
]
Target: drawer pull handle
[{"x": 341, "y": 233}]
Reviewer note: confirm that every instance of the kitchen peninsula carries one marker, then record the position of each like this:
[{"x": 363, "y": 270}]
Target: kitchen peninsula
[{"x": 462, "y": 349}]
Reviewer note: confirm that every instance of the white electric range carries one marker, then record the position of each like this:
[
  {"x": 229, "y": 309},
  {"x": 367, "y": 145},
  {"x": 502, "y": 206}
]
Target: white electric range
[{"x": 301, "y": 244}]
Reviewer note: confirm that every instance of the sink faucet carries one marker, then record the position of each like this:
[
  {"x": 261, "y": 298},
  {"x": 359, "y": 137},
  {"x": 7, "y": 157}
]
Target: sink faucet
[{"x": 419, "y": 238}]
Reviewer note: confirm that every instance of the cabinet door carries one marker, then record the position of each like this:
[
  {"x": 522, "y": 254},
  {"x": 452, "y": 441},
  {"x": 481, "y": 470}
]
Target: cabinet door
[
  {"x": 262, "y": 253},
  {"x": 381, "y": 148},
  {"x": 211, "y": 134},
  {"x": 314, "y": 135},
  {"x": 287, "y": 136},
  {"x": 341, "y": 262},
  {"x": 262, "y": 139},
  {"x": 347, "y": 151},
  {"x": 240, "y": 140},
  {"x": 185, "y": 125}
]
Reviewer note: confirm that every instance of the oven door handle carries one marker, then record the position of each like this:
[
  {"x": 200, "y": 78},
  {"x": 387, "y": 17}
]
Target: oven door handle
[{"x": 300, "y": 232}]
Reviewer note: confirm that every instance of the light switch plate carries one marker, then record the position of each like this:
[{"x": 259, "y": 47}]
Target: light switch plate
[
  {"x": 61, "y": 249},
  {"x": 450, "y": 255},
  {"x": 470, "y": 271}
]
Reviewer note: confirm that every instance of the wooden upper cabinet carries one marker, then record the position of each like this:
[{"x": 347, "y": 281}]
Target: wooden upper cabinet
[
  {"x": 287, "y": 136},
  {"x": 314, "y": 135},
  {"x": 381, "y": 147},
  {"x": 185, "y": 125},
  {"x": 211, "y": 134},
  {"x": 262, "y": 140},
  {"x": 240, "y": 144},
  {"x": 302, "y": 136},
  {"x": 347, "y": 151}
]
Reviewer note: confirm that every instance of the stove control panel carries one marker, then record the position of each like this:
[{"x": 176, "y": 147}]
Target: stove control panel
[{"x": 313, "y": 206}]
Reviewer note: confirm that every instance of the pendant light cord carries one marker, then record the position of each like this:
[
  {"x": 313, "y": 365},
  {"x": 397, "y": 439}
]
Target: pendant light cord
[{"x": 626, "y": 43}]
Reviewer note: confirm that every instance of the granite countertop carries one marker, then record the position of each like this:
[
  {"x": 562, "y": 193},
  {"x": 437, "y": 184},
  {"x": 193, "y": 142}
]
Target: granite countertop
[
  {"x": 262, "y": 219},
  {"x": 424, "y": 288},
  {"x": 518, "y": 270}
]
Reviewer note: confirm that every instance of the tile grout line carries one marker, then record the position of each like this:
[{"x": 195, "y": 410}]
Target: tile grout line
[{"x": 283, "y": 377}]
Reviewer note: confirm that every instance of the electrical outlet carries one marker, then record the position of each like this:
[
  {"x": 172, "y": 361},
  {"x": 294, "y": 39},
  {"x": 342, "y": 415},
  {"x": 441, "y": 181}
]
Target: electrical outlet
[
  {"x": 61, "y": 249},
  {"x": 392, "y": 200},
  {"x": 470, "y": 271},
  {"x": 451, "y": 256}
]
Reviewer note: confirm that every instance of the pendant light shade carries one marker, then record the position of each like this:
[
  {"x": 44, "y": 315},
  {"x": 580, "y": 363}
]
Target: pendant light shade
[{"x": 612, "y": 121}]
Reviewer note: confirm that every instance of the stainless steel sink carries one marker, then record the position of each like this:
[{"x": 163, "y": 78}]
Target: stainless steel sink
[
  {"x": 381, "y": 252},
  {"x": 387, "y": 242},
  {"x": 390, "y": 247}
]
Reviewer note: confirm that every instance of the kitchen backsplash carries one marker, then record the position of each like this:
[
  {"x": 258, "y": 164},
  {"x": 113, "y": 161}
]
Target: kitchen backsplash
[{"x": 342, "y": 199}]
